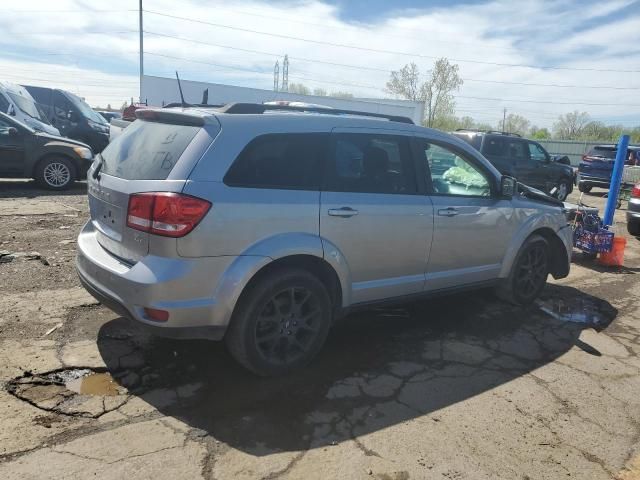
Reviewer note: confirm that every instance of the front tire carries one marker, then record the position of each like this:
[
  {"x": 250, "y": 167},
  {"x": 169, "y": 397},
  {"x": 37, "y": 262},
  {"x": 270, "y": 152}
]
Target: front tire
[
  {"x": 563, "y": 190},
  {"x": 584, "y": 188},
  {"x": 280, "y": 323},
  {"x": 633, "y": 228},
  {"x": 528, "y": 274},
  {"x": 55, "y": 173}
]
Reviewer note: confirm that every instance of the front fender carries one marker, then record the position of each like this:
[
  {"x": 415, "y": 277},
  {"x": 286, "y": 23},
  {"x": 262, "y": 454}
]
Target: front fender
[{"x": 532, "y": 224}]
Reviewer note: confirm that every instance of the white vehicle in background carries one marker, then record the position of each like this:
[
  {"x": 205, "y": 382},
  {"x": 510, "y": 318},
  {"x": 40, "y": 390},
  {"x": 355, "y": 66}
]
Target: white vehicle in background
[{"x": 16, "y": 101}]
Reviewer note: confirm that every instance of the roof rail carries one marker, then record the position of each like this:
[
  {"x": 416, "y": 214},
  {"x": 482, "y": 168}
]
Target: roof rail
[
  {"x": 249, "y": 108},
  {"x": 511, "y": 134}
]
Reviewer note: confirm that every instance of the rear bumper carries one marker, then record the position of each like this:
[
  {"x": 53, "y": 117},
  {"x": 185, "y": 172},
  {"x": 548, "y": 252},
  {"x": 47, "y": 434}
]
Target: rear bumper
[
  {"x": 594, "y": 181},
  {"x": 184, "y": 287}
]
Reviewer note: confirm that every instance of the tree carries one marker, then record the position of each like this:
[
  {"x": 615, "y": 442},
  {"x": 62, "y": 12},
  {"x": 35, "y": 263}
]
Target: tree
[
  {"x": 299, "y": 88},
  {"x": 540, "y": 133},
  {"x": 516, "y": 124},
  {"x": 320, "y": 92},
  {"x": 435, "y": 91},
  {"x": 570, "y": 125},
  {"x": 346, "y": 95}
]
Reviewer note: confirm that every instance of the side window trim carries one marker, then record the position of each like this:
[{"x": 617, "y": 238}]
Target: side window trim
[{"x": 462, "y": 154}]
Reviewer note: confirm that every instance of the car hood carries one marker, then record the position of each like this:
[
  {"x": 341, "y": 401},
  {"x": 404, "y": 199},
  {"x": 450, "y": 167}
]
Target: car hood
[
  {"x": 45, "y": 137},
  {"x": 538, "y": 195}
]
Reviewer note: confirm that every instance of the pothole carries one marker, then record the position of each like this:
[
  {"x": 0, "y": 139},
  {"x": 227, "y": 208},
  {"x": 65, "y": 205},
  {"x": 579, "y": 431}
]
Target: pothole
[
  {"x": 588, "y": 311},
  {"x": 82, "y": 392}
]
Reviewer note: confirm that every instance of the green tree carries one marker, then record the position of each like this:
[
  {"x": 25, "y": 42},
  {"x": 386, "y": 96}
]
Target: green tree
[
  {"x": 540, "y": 133},
  {"x": 340, "y": 94}
]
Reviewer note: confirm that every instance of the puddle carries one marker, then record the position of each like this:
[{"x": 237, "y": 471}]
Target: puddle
[
  {"x": 576, "y": 310},
  {"x": 86, "y": 382}
]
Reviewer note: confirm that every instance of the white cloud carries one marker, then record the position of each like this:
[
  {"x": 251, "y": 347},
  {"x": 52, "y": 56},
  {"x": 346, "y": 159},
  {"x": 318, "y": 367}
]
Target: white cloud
[{"x": 103, "y": 67}]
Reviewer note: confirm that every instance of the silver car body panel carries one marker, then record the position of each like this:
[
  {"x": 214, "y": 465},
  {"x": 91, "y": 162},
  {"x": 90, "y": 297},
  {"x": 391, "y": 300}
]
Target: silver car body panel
[{"x": 396, "y": 245}]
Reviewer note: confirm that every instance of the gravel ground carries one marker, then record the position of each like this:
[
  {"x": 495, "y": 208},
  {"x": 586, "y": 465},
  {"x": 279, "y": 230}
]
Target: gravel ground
[{"x": 461, "y": 387}]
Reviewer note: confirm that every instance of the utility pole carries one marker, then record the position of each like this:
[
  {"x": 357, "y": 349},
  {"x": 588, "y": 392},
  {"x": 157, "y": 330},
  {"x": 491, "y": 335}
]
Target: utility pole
[
  {"x": 504, "y": 115},
  {"x": 285, "y": 74},
  {"x": 141, "y": 50},
  {"x": 276, "y": 77}
]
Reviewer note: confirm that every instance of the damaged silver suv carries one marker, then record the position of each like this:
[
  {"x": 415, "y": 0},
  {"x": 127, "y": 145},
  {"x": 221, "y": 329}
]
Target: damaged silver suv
[{"x": 260, "y": 225}]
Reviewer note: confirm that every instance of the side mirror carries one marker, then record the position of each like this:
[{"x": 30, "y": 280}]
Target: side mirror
[
  {"x": 507, "y": 186},
  {"x": 13, "y": 132}
]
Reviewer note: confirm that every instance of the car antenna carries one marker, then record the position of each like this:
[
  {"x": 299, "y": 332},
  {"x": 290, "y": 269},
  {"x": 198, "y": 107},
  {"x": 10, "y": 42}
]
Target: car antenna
[{"x": 184, "y": 104}]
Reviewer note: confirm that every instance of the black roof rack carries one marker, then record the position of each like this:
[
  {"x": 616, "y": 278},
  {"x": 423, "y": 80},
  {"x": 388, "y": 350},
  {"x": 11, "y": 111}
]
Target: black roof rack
[
  {"x": 191, "y": 105},
  {"x": 249, "y": 108},
  {"x": 488, "y": 131}
]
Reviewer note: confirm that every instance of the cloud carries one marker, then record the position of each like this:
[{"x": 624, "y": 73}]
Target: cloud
[{"x": 96, "y": 53}]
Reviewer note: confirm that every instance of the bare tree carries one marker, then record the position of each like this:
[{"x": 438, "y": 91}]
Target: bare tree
[
  {"x": 339, "y": 94},
  {"x": 435, "y": 91},
  {"x": 299, "y": 88},
  {"x": 320, "y": 92},
  {"x": 515, "y": 123},
  {"x": 570, "y": 125}
]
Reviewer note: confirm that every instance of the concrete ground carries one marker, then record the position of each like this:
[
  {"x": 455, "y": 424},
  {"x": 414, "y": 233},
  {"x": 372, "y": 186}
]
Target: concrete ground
[{"x": 462, "y": 387}]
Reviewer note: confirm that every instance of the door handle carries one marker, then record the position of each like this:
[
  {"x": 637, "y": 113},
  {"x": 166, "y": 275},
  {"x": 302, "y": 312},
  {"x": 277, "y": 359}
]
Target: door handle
[
  {"x": 345, "y": 212},
  {"x": 448, "y": 212}
]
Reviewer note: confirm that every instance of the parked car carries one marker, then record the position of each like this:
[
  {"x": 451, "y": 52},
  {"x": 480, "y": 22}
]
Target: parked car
[
  {"x": 523, "y": 159},
  {"x": 633, "y": 212},
  {"x": 261, "y": 228},
  {"x": 55, "y": 162},
  {"x": 17, "y": 102},
  {"x": 596, "y": 167},
  {"x": 108, "y": 116},
  {"x": 72, "y": 116}
]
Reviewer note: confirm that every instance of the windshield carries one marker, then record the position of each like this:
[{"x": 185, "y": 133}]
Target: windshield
[
  {"x": 28, "y": 106},
  {"x": 85, "y": 109}
]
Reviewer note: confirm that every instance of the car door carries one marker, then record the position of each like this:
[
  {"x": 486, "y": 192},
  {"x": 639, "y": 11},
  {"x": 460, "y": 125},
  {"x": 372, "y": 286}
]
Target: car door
[
  {"x": 12, "y": 149},
  {"x": 61, "y": 113},
  {"x": 372, "y": 215},
  {"x": 472, "y": 225},
  {"x": 525, "y": 169},
  {"x": 543, "y": 171}
]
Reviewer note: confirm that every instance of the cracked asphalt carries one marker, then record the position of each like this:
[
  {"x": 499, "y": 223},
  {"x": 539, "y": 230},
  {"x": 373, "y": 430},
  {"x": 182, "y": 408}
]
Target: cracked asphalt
[{"x": 460, "y": 387}]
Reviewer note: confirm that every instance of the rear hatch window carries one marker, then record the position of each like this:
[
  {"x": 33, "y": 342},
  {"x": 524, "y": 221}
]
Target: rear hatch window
[
  {"x": 608, "y": 153},
  {"x": 147, "y": 150}
]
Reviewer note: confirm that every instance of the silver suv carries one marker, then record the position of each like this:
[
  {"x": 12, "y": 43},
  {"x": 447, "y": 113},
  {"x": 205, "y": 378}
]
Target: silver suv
[{"x": 261, "y": 225}]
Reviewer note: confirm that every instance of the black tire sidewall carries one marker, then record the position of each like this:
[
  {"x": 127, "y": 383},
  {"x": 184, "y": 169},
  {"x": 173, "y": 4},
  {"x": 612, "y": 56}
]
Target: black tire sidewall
[
  {"x": 46, "y": 161},
  {"x": 240, "y": 337},
  {"x": 584, "y": 188},
  {"x": 567, "y": 183}
]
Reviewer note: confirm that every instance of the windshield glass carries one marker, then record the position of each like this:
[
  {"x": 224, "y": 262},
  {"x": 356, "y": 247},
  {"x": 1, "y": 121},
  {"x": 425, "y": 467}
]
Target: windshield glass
[
  {"x": 603, "y": 152},
  {"x": 85, "y": 109},
  {"x": 28, "y": 106}
]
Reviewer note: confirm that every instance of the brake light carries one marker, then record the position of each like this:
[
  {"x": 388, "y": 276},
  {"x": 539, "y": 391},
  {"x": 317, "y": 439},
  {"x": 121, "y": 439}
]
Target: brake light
[
  {"x": 635, "y": 192},
  {"x": 165, "y": 213}
]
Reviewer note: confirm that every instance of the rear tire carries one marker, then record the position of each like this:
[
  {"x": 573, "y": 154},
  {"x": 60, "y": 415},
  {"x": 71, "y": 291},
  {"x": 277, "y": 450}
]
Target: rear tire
[
  {"x": 528, "y": 274},
  {"x": 584, "y": 188},
  {"x": 55, "y": 173},
  {"x": 633, "y": 228},
  {"x": 280, "y": 323}
]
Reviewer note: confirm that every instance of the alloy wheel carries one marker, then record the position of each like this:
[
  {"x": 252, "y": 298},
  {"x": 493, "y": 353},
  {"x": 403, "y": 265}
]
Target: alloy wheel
[
  {"x": 532, "y": 271},
  {"x": 57, "y": 174},
  {"x": 287, "y": 325}
]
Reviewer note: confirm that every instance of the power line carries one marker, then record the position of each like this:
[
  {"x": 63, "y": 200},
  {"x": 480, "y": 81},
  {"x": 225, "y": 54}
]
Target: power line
[
  {"x": 358, "y": 67},
  {"x": 392, "y": 52}
]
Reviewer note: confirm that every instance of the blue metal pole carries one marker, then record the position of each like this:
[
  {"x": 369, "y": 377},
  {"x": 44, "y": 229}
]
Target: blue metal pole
[{"x": 616, "y": 180}]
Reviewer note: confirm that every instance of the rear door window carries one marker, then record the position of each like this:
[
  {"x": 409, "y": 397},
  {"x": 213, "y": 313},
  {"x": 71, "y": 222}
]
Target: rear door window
[
  {"x": 495, "y": 146},
  {"x": 280, "y": 161},
  {"x": 369, "y": 163},
  {"x": 517, "y": 150},
  {"x": 147, "y": 150}
]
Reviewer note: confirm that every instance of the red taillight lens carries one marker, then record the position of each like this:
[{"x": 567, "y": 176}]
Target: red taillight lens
[
  {"x": 164, "y": 213},
  {"x": 156, "y": 314},
  {"x": 636, "y": 191}
]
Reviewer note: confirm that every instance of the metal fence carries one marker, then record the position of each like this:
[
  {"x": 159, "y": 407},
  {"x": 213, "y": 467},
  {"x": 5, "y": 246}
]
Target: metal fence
[{"x": 571, "y": 148}]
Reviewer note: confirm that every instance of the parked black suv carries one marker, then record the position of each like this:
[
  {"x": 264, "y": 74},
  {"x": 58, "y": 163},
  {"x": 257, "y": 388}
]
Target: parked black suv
[
  {"x": 55, "y": 162},
  {"x": 72, "y": 116},
  {"x": 521, "y": 158}
]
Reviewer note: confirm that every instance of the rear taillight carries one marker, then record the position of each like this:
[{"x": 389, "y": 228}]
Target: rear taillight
[
  {"x": 165, "y": 213},
  {"x": 635, "y": 192}
]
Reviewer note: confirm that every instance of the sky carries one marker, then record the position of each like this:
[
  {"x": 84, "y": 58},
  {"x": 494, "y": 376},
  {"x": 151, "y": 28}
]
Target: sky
[{"x": 535, "y": 58}]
